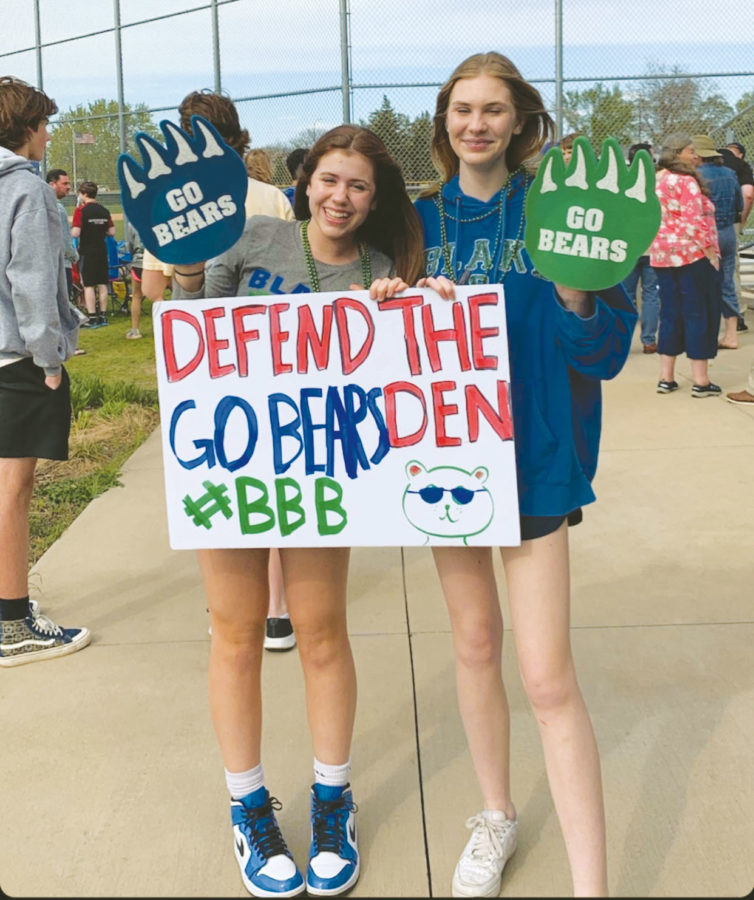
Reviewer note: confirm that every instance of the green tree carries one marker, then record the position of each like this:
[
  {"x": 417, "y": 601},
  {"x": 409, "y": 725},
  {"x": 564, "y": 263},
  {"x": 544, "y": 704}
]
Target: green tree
[
  {"x": 97, "y": 161},
  {"x": 672, "y": 101},
  {"x": 419, "y": 162},
  {"x": 394, "y": 129},
  {"x": 599, "y": 112},
  {"x": 745, "y": 102}
]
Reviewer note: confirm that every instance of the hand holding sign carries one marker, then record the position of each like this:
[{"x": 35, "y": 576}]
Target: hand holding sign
[
  {"x": 187, "y": 200},
  {"x": 589, "y": 222}
]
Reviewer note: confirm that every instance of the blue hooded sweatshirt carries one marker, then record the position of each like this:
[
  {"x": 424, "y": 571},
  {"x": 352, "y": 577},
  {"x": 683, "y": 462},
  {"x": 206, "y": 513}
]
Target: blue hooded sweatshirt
[{"x": 557, "y": 358}]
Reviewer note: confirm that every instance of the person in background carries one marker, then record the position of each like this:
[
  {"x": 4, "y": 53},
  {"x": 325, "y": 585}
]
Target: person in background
[
  {"x": 746, "y": 396},
  {"x": 92, "y": 223},
  {"x": 734, "y": 157},
  {"x": 566, "y": 144},
  {"x": 261, "y": 199},
  {"x": 294, "y": 163},
  {"x": 649, "y": 310},
  {"x": 259, "y": 165},
  {"x": 38, "y": 333},
  {"x": 725, "y": 193},
  {"x": 686, "y": 257},
  {"x": 136, "y": 249},
  {"x": 60, "y": 183}
]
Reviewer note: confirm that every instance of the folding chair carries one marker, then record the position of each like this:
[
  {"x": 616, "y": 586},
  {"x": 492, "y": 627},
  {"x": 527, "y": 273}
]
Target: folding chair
[{"x": 118, "y": 259}]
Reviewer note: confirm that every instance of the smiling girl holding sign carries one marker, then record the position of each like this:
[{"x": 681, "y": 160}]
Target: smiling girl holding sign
[
  {"x": 562, "y": 341},
  {"x": 358, "y": 224}
]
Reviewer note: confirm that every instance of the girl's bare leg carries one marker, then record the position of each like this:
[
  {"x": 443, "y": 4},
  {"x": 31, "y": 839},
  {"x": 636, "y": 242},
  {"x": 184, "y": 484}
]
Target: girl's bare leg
[
  {"x": 468, "y": 583},
  {"x": 537, "y": 575},
  {"x": 315, "y": 587},
  {"x": 235, "y": 582}
]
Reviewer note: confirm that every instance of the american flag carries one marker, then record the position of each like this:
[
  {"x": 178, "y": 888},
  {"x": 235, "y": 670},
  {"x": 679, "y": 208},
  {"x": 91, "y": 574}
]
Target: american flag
[{"x": 83, "y": 138}]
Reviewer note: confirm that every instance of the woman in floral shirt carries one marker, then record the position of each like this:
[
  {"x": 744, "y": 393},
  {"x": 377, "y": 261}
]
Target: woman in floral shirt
[{"x": 686, "y": 256}]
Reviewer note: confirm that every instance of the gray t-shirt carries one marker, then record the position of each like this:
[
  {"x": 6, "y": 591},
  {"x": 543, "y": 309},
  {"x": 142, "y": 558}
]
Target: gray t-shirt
[{"x": 268, "y": 258}]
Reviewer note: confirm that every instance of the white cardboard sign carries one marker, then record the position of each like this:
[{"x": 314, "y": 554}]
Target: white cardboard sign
[{"x": 327, "y": 419}]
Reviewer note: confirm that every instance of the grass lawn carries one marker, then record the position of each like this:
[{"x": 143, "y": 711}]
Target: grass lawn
[
  {"x": 114, "y": 400},
  {"x": 111, "y": 357}
]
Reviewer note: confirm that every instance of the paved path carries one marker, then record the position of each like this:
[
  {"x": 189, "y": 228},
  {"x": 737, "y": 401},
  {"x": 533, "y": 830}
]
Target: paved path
[{"x": 112, "y": 781}]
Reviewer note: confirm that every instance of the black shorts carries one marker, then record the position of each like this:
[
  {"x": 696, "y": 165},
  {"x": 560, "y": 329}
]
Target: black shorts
[
  {"x": 36, "y": 420},
  {"x": 93, "y": 269},
  {"x": 538, "y": 526}
]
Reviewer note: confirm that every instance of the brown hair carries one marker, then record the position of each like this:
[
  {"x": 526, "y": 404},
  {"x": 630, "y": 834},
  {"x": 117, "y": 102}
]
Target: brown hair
[
  {"x": 538, "y": 126},
  {"x": 566, "y": 142},
  {"x": 88, "y": 189},
  {"x": 258, "y": 165},
  {"x": 393, "y": 226},
  {"x": 221, "y": 112},
  {"x": 22, "y": 107}
]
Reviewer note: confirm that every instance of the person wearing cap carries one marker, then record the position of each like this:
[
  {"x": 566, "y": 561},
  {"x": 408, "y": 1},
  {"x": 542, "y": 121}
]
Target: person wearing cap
[
  {"x": 686, "y": 256},
  {"x": 725, "y": 193}
]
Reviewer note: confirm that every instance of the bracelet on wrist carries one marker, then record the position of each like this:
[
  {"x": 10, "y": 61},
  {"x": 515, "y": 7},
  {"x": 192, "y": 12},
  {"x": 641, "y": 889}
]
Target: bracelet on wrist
[{"x": 188, "y": 274}]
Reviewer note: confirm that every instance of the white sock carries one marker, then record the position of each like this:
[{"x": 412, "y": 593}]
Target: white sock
[
  {"x": 242, "y": 783},
  {"x": 334, "y": 776}
]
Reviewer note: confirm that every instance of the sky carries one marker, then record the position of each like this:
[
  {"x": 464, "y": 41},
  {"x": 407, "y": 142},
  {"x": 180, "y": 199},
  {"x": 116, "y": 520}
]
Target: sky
[{"x": 270, "y": 48}]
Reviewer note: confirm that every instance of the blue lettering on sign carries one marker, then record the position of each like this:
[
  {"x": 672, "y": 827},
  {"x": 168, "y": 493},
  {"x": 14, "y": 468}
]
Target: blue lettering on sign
[
  {"x": 213, "y": 449},
  {"x": 342, "y": 418}
]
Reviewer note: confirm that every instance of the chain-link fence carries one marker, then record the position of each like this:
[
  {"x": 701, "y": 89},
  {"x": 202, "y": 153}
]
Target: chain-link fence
[{"x": 296, "y": 68}]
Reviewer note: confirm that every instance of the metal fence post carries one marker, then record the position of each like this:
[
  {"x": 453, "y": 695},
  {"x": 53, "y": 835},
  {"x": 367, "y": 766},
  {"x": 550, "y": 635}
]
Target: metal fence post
[
  {"x": 345, "y": 59},
  {"x": 216, "y": 46},
  {"x": 559, "y": 67},
  {"x": 119, "y": 75}
]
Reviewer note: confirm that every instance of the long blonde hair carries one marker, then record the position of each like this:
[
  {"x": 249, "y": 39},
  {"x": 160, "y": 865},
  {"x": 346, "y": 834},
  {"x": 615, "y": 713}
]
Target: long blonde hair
[{"x": 537, "y": 129}]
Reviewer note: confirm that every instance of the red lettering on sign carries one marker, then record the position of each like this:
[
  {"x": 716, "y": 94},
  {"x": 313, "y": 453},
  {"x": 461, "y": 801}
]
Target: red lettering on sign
[
  {"x": 349, "y": 361},
  {"x": 243, "y": 335},
  {"x": 441, "y": 410},
  {"x": 215, "y": 344},
  {"x": 500, "y": 418},
  {"x": 478, "y": 333},
  {"x": 318, "y": 342},
  {"x": 407, "y": 305},
  {"x": 277, "y": 338},
  {"x": 174, "y": 371},
  {"x": 390, "y": 392}
]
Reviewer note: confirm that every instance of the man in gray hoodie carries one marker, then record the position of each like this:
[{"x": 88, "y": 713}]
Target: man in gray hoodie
[{"x": 38, "y": 332}]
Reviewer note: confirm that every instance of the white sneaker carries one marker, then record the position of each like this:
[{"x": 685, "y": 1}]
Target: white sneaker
[{"x": 491, "y": 845}]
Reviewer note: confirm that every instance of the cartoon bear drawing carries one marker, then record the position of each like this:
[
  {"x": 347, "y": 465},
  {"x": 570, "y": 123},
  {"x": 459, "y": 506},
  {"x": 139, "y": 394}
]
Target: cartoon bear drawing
[{"x": 447, "y": 502}]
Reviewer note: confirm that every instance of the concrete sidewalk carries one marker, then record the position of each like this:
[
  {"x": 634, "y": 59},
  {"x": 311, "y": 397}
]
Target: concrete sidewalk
[{"x": 112, "y": 780}]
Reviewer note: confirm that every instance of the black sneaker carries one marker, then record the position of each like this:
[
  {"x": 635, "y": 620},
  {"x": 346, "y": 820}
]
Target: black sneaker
[
  {"x": 667, "y": 387},
  {"x": 706, "y": 390},
  {"x": 741, "y": 325},
  {"x": 92, "y": 321},
  {"x": 279, "y": 635},
  {"x": 103, "y": 319}
]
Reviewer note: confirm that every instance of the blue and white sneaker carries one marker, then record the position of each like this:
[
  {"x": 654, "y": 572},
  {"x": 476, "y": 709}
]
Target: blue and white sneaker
[
  {"x": 266, "y": 863},
  {"x": 334, "y": 854}
]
